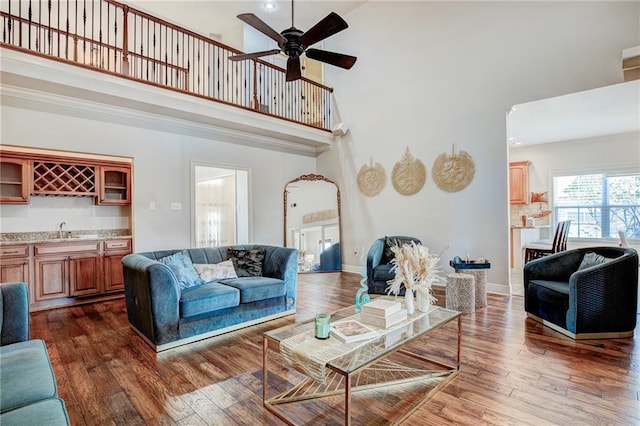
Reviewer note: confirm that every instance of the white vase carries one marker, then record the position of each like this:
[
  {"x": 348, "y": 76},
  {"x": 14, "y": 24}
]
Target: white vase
[
  {"x": 408, "y": 298},
  {"x": 422, "y": 300}
]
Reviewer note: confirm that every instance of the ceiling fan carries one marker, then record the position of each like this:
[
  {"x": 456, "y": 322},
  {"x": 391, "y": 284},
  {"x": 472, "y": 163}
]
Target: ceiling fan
[{"x": 294, "y": 42}]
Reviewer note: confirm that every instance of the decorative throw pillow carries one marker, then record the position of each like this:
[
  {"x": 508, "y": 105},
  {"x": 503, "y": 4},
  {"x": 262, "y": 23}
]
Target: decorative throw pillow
[
  {"x": 247, "y": 263},
  {"x": 592, "y": 259},
  {"x": 181, "y": 265},
  {"x": 215, "y": 271}
]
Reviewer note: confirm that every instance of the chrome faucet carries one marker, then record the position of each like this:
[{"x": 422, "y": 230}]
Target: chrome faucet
[{"x": 60, "y": 229}]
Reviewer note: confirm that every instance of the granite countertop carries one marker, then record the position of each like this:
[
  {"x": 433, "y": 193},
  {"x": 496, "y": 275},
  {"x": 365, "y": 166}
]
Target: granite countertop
[{"x": 19, "y": 238}]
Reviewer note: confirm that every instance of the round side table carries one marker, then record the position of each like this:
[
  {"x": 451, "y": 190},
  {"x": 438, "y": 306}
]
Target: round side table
[
  {"x": 479, "y": 272},
  {"x": 460, "y": 293}
]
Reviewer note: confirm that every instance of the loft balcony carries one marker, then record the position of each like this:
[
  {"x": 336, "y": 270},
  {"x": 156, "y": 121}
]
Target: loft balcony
[{"x": 100, "y": 51}]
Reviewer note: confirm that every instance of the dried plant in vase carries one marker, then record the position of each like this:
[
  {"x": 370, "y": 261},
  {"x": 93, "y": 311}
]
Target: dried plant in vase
[{"x": 417, "y": 270}]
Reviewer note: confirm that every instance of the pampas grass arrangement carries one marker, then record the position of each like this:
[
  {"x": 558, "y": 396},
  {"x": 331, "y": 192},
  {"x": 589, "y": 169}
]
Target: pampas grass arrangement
[{"x": 416, "y": 268}]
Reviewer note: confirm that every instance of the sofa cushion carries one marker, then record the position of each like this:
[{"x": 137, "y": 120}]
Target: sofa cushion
[
  {"x": 25, "y": 369},
  {"x": 384, "y": 272},
  {"x": 50, "y": 412},
  {"x": 549, "y": 300},
  {"x": 592, "y": 259},
  {"x": 215, "y": 271},
  {"x": 248, "y": 263},
  {"x": 253, "y": 289},
  {"x": 182, "y": 267},
  {"x": 206, "y": 298}
]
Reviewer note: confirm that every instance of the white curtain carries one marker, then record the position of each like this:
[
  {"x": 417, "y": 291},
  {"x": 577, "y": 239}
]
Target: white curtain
[{"x": 215, "y": 212}]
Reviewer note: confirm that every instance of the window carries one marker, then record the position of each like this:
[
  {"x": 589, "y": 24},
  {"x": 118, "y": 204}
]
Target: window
[{"x": 599, "y": 205}]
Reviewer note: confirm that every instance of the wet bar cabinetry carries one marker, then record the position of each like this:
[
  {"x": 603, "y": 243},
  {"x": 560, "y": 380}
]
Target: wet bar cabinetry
[
  {"x": 67, "y": 272},
  {"x": 26, "y": 173}
]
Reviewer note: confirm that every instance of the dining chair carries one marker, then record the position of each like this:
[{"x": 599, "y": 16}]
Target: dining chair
[{"x": 541, "y": 249}]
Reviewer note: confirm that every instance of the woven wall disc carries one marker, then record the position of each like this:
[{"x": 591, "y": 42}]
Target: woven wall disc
[
  {"x": 408, "y": 175},
  {"x": 371, "y": 179},
  {"x": 453, "y": 172}
]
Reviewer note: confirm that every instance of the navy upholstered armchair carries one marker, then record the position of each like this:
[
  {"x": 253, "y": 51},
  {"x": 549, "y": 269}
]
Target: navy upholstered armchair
[
  {"x": 379, "y": 267},
  {"x": 586, "y": 293}
]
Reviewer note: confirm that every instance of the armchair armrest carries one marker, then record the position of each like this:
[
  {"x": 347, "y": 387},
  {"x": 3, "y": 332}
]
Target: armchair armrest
[
  {"x": 152, "y": 309},
  {"x": 14, "y": 313},
  {"x": 374, "y": 256},
  {"x": 603, "y": 298}
]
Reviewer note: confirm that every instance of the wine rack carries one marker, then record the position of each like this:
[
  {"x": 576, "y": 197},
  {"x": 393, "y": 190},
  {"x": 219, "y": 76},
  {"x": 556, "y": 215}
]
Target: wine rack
[{"x": 63, "y": 179}]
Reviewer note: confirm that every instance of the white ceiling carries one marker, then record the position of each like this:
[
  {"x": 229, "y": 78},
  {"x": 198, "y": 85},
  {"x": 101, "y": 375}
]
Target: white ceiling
[
  {"x": 603, "y": 111},
  {"x": 218, "y": 17}
]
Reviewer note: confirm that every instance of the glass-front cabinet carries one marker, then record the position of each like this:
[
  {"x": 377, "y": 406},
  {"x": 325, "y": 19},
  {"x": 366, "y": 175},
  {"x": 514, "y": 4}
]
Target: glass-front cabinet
[
  {"x": 14, "y": 181},
  {"x": 115, "y": 187}
]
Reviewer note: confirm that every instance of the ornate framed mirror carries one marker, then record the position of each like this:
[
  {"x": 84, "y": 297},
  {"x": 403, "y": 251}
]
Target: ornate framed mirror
[{"x": 312, "y": 222}]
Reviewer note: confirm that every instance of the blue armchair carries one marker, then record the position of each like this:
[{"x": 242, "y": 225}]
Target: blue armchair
[
  {"x": 586, "y": 293},
  {"x": 379, "y": 267},
  {"x": 28, "y": 390}
]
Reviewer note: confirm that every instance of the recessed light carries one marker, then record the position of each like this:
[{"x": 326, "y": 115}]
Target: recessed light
[{"x": 269, "y": 5}]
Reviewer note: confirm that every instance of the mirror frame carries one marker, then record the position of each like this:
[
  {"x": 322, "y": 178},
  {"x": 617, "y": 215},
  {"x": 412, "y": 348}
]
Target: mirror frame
[{"x": 312, "y": 177}]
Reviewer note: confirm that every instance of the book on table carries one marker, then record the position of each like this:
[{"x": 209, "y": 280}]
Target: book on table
[
  {"x": 350, "y": 331},
  {"x": 384, "y": 321},
  {"x": 382, "y": 307}
]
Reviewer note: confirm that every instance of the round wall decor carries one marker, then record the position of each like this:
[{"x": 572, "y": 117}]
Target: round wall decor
[
  {"x": 453, "y": 172},
  {"x": 408, "y": 174},
  {"x": 371, "y": 179}
]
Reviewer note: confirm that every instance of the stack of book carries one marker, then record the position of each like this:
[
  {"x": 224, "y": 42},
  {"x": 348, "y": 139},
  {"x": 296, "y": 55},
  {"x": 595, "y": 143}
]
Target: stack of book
[{"x": 383, "y": 313}]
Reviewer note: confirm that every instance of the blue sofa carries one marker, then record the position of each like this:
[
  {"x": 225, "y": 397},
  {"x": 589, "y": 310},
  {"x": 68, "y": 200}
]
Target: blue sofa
[
  {"x": 167, "y": 315},
  {"x": 28, "y": 389}
]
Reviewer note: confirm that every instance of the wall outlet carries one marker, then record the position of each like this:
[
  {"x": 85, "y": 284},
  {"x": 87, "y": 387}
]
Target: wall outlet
[
  {"x": 176, "y": 206},
  {"x": 152, "y": 205}
]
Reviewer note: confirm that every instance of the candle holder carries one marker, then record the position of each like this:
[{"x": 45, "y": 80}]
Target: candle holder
[{"x": 323, "y": 326}]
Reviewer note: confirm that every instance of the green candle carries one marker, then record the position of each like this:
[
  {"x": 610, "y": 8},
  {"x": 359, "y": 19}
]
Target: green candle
[{"x": 323, "y": 326}]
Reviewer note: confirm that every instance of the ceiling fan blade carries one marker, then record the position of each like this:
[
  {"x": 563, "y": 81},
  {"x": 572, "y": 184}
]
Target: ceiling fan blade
[
  {"x": 330, "y": 25},
  {"x": 260, "y": 25},
  {"x": 332, "y": 58},
  {"x": 243, "y": 56},
  {"x": 293, "y": 69}
]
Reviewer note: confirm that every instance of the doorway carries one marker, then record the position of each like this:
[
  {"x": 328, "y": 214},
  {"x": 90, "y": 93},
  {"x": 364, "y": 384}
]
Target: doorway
[{"x": 220, "y": 207}]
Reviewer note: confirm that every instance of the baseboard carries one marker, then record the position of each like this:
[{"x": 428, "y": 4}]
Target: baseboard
[
  {"x": 187, "y": 340},
  {"x": 581, "y": 336}
]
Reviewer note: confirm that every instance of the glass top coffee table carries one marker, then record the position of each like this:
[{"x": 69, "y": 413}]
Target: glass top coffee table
[{"x": 421, "y": 353}]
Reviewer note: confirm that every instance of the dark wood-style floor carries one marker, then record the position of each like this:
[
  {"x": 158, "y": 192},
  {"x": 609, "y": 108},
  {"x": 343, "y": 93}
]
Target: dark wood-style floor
[{"x": 513, "y": 370}]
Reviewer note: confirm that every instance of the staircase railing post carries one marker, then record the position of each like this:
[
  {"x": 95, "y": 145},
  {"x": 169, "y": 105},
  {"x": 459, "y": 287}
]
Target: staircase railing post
[
  {"x": 125, "y": 40},
  {"x": 254, "y": 102}
]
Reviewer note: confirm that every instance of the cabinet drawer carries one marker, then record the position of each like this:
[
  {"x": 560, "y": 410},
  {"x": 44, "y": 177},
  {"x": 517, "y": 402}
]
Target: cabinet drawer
[
  {"x": 117, "y": 245},
  {"x": 63, "y": 248},
  {"x": 14, "y": 251}
]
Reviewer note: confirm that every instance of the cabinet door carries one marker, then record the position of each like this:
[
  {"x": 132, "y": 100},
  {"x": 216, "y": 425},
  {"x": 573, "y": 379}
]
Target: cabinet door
[
  {"x": 51, "y": 277},
  {"x": 113, "y": 274},
  {"x": 84, "y": 275},
  {"x": 115, "y": 186},
  {"x": 14, "y": 181},
  {"x": 519, "y": 183},
  {"x": 14, "y": 270}
]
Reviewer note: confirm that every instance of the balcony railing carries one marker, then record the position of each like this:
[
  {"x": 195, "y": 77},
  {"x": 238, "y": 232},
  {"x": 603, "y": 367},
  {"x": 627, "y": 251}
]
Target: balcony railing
[{"x": 114, "y": 38}]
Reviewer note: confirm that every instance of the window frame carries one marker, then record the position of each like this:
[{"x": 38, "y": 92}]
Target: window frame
[{"x": 611, "y": 171}]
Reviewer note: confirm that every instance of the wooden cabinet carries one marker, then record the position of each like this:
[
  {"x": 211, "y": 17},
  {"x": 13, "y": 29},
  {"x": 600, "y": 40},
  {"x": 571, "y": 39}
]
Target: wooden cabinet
[
  {"x": 114, "y": 186},
  {"x": 66, "y": 269},
  {"x": 519, "y": 182},
  {"x": 14, "y": 181},
  {"x": 114, "y": 251},
  {"x": 14, "y": 264}
]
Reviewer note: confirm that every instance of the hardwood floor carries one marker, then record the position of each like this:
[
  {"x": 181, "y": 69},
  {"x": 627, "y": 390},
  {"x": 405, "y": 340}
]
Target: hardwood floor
[{"x": 513, "y": 370}]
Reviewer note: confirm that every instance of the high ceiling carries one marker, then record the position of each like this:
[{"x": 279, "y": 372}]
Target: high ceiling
[{"x": 219, "y": 17}]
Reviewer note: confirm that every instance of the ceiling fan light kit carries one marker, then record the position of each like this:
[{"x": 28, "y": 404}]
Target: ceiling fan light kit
[{"x": 294, "y": 42}]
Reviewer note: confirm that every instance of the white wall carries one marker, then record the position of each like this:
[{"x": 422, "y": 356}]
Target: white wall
[
  {"x": 433, "y": 74},
  {"x": 161, "y": 172}
]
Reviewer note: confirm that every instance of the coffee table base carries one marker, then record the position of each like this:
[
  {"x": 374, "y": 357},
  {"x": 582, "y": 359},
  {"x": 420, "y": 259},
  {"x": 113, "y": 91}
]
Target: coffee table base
[{"x": 384, "y": 372}]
